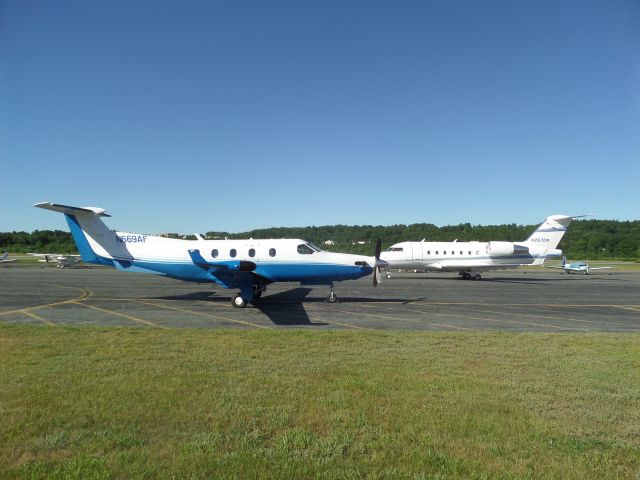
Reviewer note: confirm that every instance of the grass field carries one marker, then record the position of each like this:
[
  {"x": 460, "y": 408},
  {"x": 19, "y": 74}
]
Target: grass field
[{"x": 144, "y": 403}]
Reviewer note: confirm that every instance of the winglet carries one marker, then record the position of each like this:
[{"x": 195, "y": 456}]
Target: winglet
[
  {"x": 198, "y": 259},
  {"x": 240, "y": 265}
]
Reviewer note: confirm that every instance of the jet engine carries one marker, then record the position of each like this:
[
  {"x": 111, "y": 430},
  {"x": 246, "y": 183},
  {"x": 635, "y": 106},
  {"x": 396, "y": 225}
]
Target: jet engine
[{"x": 505, "y": 249}]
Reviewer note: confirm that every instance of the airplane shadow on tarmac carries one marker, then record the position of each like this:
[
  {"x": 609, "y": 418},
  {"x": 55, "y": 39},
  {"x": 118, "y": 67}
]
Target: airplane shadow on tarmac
[{"x": 283, "y": 308}]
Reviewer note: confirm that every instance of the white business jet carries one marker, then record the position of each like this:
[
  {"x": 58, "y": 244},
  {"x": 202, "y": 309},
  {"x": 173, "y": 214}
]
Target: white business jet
[
  {"x": 470, "y": 258},
  {"x": 249, "y": 265},
  {"x": 577, "y": 267},
  {"x": 61, "y": 260}
]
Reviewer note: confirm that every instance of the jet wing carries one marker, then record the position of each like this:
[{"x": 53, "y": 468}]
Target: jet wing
[{"x": 229, "y": 273}]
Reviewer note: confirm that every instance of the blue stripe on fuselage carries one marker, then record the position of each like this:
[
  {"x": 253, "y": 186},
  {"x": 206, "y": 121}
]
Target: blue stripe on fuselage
[{"x": 273, "y": 272}]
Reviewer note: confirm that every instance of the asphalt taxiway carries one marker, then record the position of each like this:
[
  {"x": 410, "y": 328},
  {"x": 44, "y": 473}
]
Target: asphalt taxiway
[{"x": 517, "y": 300}]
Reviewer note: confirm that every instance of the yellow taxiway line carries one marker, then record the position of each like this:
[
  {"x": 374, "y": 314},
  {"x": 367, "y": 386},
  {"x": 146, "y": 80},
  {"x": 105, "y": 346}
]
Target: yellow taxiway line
[
  {"x": 387, "y": 317},
  {"x": 129, "y": 317},
  {"x": 192, "y": 312}
]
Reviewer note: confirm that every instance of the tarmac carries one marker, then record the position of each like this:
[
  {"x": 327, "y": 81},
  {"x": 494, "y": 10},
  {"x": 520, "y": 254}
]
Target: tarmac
[{"x": 520, "y": 301}]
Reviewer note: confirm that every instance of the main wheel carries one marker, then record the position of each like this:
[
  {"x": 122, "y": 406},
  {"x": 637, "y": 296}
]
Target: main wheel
[
  {"x": 477, "y": 276},
  {"x": 466, "y": 276},
  {"x": 238, "y": 302}
]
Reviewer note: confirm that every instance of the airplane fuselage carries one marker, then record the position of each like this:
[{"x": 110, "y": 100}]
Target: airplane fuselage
[
  {"x": 276, "y": 260},
  {"x": 456, "y": 256}
]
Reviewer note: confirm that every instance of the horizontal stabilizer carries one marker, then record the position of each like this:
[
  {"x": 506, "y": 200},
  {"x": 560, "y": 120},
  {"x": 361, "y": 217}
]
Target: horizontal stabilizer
[{"x": 69, "y": 210}]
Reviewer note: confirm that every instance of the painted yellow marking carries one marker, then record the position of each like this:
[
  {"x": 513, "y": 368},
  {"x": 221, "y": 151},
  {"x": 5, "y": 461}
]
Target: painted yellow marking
[
  {"x": 129, "y": 317},
  {"x": 37, "y": 317},
  {"x": 217, "y": 317},
  {"x": 564, "y": 319},
  {"x": 628, "y": 307},
  {"x": 85, "y": 294},
  {"x": 386, "y": 317},
  {"x": 507, "y": 321}
]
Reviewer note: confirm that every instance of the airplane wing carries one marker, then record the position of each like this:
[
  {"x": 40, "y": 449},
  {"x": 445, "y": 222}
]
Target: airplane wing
[
  {"x": 229, "y": 273},
  {"x": 557, "y": 266},
  {"x": 598, "y": 268},
  {"x": 8, "y": 260}
]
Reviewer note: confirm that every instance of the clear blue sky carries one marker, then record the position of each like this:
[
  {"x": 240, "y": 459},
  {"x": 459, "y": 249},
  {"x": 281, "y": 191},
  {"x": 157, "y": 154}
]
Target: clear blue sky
[{"x": 195, "y": 116}]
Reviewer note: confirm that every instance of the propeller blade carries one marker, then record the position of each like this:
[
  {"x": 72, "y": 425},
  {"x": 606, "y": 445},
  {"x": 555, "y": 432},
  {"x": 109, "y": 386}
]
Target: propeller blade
[{"x": 376, "y": 268}]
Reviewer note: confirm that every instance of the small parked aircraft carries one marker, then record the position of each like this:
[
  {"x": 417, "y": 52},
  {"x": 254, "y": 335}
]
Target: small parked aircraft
[
  {"x": 577, "y": 267},
  {"x": 249, "y": 265},
  {"x": 4, "y": 258},
  {"x": 61, "y": 260},
  {"x": 470, "y": 258}
]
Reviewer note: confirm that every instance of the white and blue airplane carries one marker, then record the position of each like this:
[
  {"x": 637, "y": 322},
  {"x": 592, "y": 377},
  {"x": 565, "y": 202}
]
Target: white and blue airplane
[
  {"x": 248, "y": 265},
  {"x": 576, "y": 267},
  {"x": 470, "y": 258}
]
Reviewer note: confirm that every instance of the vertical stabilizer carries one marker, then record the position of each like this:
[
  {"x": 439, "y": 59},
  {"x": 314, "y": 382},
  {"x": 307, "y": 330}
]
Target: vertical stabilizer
[
  {"x": 548, "y": 235},
  {"x": 95, "y": 242}
]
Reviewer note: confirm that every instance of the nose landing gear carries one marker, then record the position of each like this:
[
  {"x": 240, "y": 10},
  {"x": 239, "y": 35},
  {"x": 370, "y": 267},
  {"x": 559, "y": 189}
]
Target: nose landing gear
[{"x": 332, "y": 298}]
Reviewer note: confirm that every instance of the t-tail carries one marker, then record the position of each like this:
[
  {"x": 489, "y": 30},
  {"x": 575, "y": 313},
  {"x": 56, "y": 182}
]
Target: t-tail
[
  {"x": 95, "y": 242},
  {"x": 543, "y": 243}
]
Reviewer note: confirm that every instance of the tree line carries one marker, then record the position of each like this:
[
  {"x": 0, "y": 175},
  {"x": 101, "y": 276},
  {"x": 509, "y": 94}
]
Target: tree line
[{"x": 586, "y": 239}]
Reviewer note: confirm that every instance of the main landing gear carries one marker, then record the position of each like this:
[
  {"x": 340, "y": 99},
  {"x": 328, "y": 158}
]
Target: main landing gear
[
  {"x": 240, "y": 300},
  {"x": 470, "y": 276}
]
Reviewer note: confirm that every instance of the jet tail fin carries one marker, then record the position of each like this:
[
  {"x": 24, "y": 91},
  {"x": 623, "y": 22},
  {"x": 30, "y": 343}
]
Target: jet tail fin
[
  {"x": 548, "y": 235},
  {"x": 95, "y": 242}
]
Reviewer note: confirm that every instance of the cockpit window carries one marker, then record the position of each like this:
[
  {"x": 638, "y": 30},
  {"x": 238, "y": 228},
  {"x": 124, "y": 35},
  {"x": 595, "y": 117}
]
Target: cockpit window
[
  {"x": 394, "y": 249},
  {"x": 305, "y": 249},
  {"x": 314, "y": 246}
]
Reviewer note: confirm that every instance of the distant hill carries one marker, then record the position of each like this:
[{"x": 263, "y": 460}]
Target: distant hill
[{"x": 592, "y": 239}]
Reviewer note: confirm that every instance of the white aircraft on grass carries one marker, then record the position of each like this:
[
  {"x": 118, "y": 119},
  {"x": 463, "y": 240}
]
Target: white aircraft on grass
[
  {"x": 61, "y": 260},
  {"x": 470, "y": 258},
  {"x": 577, "y": 267},
  {"x": 4, "y": 258},
  {"x": 249, "y": 265}
]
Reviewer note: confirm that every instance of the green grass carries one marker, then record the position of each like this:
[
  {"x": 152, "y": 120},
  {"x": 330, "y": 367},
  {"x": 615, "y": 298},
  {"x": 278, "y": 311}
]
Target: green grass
[{"x": 144, "y": 403}]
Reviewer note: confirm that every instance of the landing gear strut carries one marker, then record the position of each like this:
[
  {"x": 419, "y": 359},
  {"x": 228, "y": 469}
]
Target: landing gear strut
[{"x": 332, "y": 295}]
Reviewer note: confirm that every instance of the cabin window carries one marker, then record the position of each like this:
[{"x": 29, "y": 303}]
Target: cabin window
[
  {"x": 461, "y": 252},
  {"x": 214, "y": 252},
  {"x": 477, "y": 252},
  {"x": 272, "y": 252},
  {"x": 232, "y": 252},
  {"x": 428, "y": 252},
  {"x": 469, "y": 252},
  {"x": 252, "y": 252},
  {"x": 436, "y": 252},
  {"x": 304, "y": 249}
]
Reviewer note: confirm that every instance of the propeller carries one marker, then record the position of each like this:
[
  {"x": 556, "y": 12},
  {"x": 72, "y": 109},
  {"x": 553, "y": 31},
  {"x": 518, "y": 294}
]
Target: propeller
[{"x": 376, "y": 267}]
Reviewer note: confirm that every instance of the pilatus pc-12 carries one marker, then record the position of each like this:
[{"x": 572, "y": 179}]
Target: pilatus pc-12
[{"x": 248, "y": 265}]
